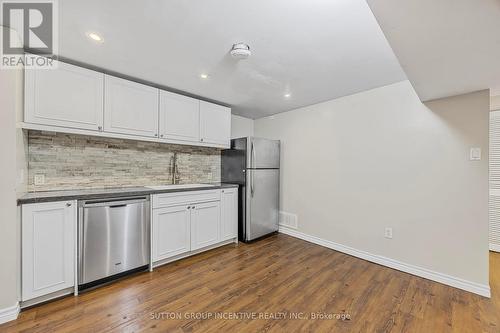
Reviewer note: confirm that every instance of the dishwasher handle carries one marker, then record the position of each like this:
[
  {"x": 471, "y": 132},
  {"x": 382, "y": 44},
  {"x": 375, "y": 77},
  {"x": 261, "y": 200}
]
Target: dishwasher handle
[
  {"x": 118, "y": 206},
  {"x": 114, "y": 203}
]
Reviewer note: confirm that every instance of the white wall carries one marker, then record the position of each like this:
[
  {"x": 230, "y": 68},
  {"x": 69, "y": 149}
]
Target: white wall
[
  {"x": 495, "y": 99},
  {"x": 241, "y": 127},
  {"x": 354, "y": 165},
  {"x": 10, "y": 104}
]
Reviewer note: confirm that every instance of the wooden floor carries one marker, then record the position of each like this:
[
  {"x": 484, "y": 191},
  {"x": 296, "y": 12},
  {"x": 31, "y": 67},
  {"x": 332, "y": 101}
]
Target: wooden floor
[{"x": 279, "y": 276}]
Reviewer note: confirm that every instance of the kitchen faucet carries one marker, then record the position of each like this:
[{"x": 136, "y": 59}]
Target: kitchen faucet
[{"x": 174, "y": 169}]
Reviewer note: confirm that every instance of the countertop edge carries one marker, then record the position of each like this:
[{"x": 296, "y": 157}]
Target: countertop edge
[{"x": 108, "y": 193}]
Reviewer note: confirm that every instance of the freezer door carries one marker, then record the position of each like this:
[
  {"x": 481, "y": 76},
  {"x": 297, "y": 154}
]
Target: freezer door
[
  {"x": 262, "y": 203},
  {"x": 233, "y": 166},
  {"x": 263, "y": 153}
]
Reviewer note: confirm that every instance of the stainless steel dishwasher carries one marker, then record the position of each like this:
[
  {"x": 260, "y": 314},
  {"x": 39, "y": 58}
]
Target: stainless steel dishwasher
[{"x": 113, "y": 238}]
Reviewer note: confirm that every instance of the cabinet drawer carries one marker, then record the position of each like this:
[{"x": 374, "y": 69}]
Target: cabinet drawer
[{"x": 186, "y": 197}]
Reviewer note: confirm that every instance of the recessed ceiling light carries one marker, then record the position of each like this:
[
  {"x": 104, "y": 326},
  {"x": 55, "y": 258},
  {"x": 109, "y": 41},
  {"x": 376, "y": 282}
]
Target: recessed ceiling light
[
  {"x": 204, "y": 76},
  {"x": 288, "y": 95},
  {"x": 94, "y": 36}
]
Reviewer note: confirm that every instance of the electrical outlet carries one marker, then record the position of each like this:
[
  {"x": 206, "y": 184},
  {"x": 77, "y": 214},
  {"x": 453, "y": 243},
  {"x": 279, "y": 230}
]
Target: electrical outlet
[
  {"x": 39, "y": 179},
  {"x": 388, "y": 233}
]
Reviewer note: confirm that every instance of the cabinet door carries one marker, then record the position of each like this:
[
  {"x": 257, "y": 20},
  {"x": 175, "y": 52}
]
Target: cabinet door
[
  {"x": 215, "y": 124},
  {"x": 179, "y": 117},
  {"x": 171, "y": 232},
  {"x": 205, "y": 224},
  {"x": 229, "y": 213},
  {"x": 48, "y": 248},
  {"x": 130, "y": 107},
  {"x": 68, "y": 96}
]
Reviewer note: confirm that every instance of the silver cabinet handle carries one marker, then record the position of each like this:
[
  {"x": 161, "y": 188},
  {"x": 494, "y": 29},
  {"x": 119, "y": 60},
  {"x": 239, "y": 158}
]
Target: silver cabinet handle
[
  {"x": 156, "y": 134},
  {"x": 161, "y": 135},
  {"x": 68, "y": 204},
  {"x": 201, "y": 139},
  {"x": 189, "y": 207},
  {"x": 99, "y": 128}
]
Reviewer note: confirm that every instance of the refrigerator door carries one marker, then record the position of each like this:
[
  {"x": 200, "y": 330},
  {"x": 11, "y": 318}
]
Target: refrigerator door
[
  {"x": 263, "y": 153},
  {"x": 233, "y": 166},
  {"x": 262, "y": 202}
]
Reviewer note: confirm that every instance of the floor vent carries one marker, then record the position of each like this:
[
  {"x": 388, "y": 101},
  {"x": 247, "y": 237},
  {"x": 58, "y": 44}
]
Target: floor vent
[{"x": 288, "y": 220}]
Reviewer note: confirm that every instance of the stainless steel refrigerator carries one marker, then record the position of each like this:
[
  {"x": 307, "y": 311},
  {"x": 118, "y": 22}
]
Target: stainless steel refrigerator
[{"x": 253, "y": 163}]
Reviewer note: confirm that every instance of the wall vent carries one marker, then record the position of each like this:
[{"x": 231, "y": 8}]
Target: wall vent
[{"x": 288, "y": 220}]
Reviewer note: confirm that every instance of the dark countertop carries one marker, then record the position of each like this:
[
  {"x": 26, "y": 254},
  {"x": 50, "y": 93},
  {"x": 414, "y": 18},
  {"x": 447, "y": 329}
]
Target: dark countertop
[{"x": 102, "y": 193}]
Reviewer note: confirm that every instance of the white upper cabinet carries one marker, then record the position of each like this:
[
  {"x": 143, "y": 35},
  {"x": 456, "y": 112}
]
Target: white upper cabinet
[
  {"x": 179, "y": 117},
  {"x": 48, "y": 248},
  {"x": 215, "y": 124},
  {"x": 130, "y": 108},
  {"x": 77, "y": 100},
  {"x": 68, "y": 96}
]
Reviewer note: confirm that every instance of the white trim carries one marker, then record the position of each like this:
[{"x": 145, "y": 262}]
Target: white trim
[
  {"x": 494, "y": 247},
  {"x": 75, "y": 248},
  {"x": 9, "y": 313},
  {"x": 69, "y": 130},
  {"x": 473, "y": 287}
]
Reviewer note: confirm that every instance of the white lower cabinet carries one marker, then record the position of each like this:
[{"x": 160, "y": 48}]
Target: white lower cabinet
[
  {"x": 229, "y": 213},
  {"x": 205, "y": 224},
  {"x": 48, "y": 248},
  {"x": 184, "y": 222},
  {"x": 171, "y": 232}
]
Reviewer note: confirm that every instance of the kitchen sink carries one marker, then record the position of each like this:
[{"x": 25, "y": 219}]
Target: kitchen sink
[{"x": 178, "y": 186}]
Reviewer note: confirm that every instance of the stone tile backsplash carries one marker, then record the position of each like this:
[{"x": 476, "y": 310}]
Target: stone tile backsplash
[{"x": 71, "y": 161}]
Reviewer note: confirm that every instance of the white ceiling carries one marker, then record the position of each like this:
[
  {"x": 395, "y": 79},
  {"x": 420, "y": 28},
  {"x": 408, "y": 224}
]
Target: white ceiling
[
  {"x": 446, "y": 47},
  {"x": 314, "y": 49}
]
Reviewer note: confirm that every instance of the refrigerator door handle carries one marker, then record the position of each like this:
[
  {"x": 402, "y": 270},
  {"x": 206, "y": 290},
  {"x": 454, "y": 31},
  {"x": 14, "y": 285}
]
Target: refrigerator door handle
[
  {"x": 252, "y": 151},
  {"x": 251, "y": 184}
]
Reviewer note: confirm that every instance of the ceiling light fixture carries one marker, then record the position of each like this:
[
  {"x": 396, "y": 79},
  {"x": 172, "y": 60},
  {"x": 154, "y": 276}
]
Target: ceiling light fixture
[
  {"x": 240, "y": 51},
  {"x": 94, "y": 36},
  {"x": 204, "y": 76},
  {"x": 288, "y": 95}
]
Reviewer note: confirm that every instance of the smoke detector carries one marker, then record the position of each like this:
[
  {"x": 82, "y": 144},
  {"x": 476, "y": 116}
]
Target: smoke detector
[{"x": 240, "y": 51}]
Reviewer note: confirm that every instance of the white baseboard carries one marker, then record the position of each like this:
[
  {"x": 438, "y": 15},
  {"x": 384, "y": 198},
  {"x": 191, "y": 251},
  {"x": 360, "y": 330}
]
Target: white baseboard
[
  {"x": 494, "y": 247},
  {"x": 9, "y": 313},
  {"x": 473, "y": 287}
]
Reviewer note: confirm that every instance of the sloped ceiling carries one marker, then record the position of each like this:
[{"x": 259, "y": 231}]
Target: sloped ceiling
[{"x": 446, "y": 47}]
